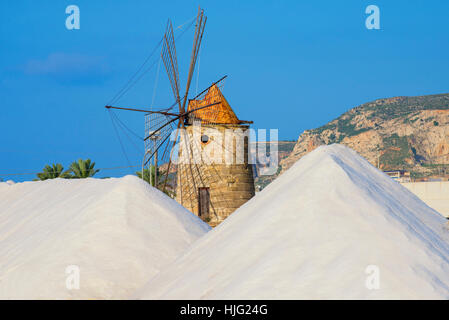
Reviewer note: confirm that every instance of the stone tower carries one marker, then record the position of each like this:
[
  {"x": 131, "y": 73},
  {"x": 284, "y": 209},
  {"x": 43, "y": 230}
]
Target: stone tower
[{"x": 214, "y": 176}]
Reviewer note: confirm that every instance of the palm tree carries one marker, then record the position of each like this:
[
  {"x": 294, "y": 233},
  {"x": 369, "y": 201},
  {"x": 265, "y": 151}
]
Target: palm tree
[
  {"x": 53, "y": 171},
  {"x": 83, "y": 169}
]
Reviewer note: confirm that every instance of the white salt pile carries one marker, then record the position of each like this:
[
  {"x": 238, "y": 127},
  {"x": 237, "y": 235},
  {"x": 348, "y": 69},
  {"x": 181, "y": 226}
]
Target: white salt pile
[
  {"x": 331, "y": 227},
  {"x": 117, "y": 233}
]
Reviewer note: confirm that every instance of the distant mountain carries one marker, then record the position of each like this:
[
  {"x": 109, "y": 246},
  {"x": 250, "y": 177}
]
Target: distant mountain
[{"x": 410, "y": 133}]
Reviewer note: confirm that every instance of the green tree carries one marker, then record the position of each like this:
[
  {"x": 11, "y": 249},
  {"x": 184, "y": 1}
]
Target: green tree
[
  {"x": 146, "y": 175},
  {"x": 83, "y": 169},
  {"x": 168, "y": 190},
  {"x": 53, "y": 171}
]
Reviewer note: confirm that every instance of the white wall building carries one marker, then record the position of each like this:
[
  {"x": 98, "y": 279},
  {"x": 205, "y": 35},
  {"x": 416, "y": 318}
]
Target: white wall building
[{"x": 434, "y": 193}]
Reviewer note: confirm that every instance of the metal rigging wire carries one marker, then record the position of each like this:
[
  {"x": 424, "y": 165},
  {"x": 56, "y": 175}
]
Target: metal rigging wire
[
  {"x": 120, "y": 140},
  {"x": 122, "y": 125},
  {"x": 133, "y": 80},
  {"x": 116, "y": 122},
  {"x": 118, "y": 94}
]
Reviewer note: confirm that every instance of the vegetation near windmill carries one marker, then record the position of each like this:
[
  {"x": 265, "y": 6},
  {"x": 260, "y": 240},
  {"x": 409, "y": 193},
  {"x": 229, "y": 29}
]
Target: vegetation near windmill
[
  {"x": 83, "y": 169},
  {"x": 52, "y": 172},
  {"x": 151, "y": 178},
  {"x": 147, "y": 176}
]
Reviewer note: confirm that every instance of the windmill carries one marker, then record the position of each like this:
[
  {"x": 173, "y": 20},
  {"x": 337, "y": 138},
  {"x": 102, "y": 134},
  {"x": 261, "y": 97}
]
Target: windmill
[{"x": 210, "y": 189}]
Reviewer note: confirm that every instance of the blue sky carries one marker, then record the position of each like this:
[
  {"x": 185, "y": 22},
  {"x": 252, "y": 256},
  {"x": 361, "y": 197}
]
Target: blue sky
[{"x": 291, "y": 65}]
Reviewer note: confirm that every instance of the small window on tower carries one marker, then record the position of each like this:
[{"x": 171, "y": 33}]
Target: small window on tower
[{"x": 204, "y": 138}]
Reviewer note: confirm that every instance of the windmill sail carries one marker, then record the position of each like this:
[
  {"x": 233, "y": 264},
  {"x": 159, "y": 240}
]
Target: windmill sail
[
  {"x": 168, "y": 55},
  {"x": 199, "y": 30}
]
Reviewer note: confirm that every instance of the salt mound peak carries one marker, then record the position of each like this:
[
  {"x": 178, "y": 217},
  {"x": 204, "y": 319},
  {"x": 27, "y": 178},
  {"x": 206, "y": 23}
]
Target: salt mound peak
[
  {"x": 118, "y": 232},
  {"x": 331, "y": 227}
]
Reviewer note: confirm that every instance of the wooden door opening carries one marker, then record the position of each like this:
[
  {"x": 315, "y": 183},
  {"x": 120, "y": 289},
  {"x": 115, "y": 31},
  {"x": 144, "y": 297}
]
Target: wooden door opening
[{"x": 203, "y": 201}]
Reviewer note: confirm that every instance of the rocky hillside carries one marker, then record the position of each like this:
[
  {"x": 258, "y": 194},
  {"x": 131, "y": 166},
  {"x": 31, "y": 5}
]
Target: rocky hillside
[{"x": 410, "y": 133}]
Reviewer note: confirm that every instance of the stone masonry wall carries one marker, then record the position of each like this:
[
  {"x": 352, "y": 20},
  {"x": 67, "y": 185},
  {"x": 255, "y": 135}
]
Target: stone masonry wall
[{"x": 230, "y": 184}]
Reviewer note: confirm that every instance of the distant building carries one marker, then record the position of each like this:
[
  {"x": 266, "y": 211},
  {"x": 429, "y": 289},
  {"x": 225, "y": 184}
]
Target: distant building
[
  {"x": 399, "y": 175},
  {"x": 434, "y": 193}
]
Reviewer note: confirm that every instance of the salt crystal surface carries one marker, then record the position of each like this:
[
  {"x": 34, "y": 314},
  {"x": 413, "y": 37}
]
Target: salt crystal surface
[
  {"x": 117, "y": 232},
  {"x": 331, "y": 227}
]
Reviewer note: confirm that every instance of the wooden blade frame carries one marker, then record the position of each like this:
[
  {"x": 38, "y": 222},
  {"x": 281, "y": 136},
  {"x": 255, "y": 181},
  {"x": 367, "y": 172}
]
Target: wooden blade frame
[
  {"x": 168, "y": 55},
  {"x": 199, "y": 30},
  {"x": 169, "y": 58}
]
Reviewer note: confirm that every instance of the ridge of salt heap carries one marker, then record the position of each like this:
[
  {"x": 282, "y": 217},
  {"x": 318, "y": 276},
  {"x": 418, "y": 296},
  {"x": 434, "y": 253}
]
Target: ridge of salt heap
[
  {"x": 321, "y": 230},
  {"x": 117, "y": 232}
]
